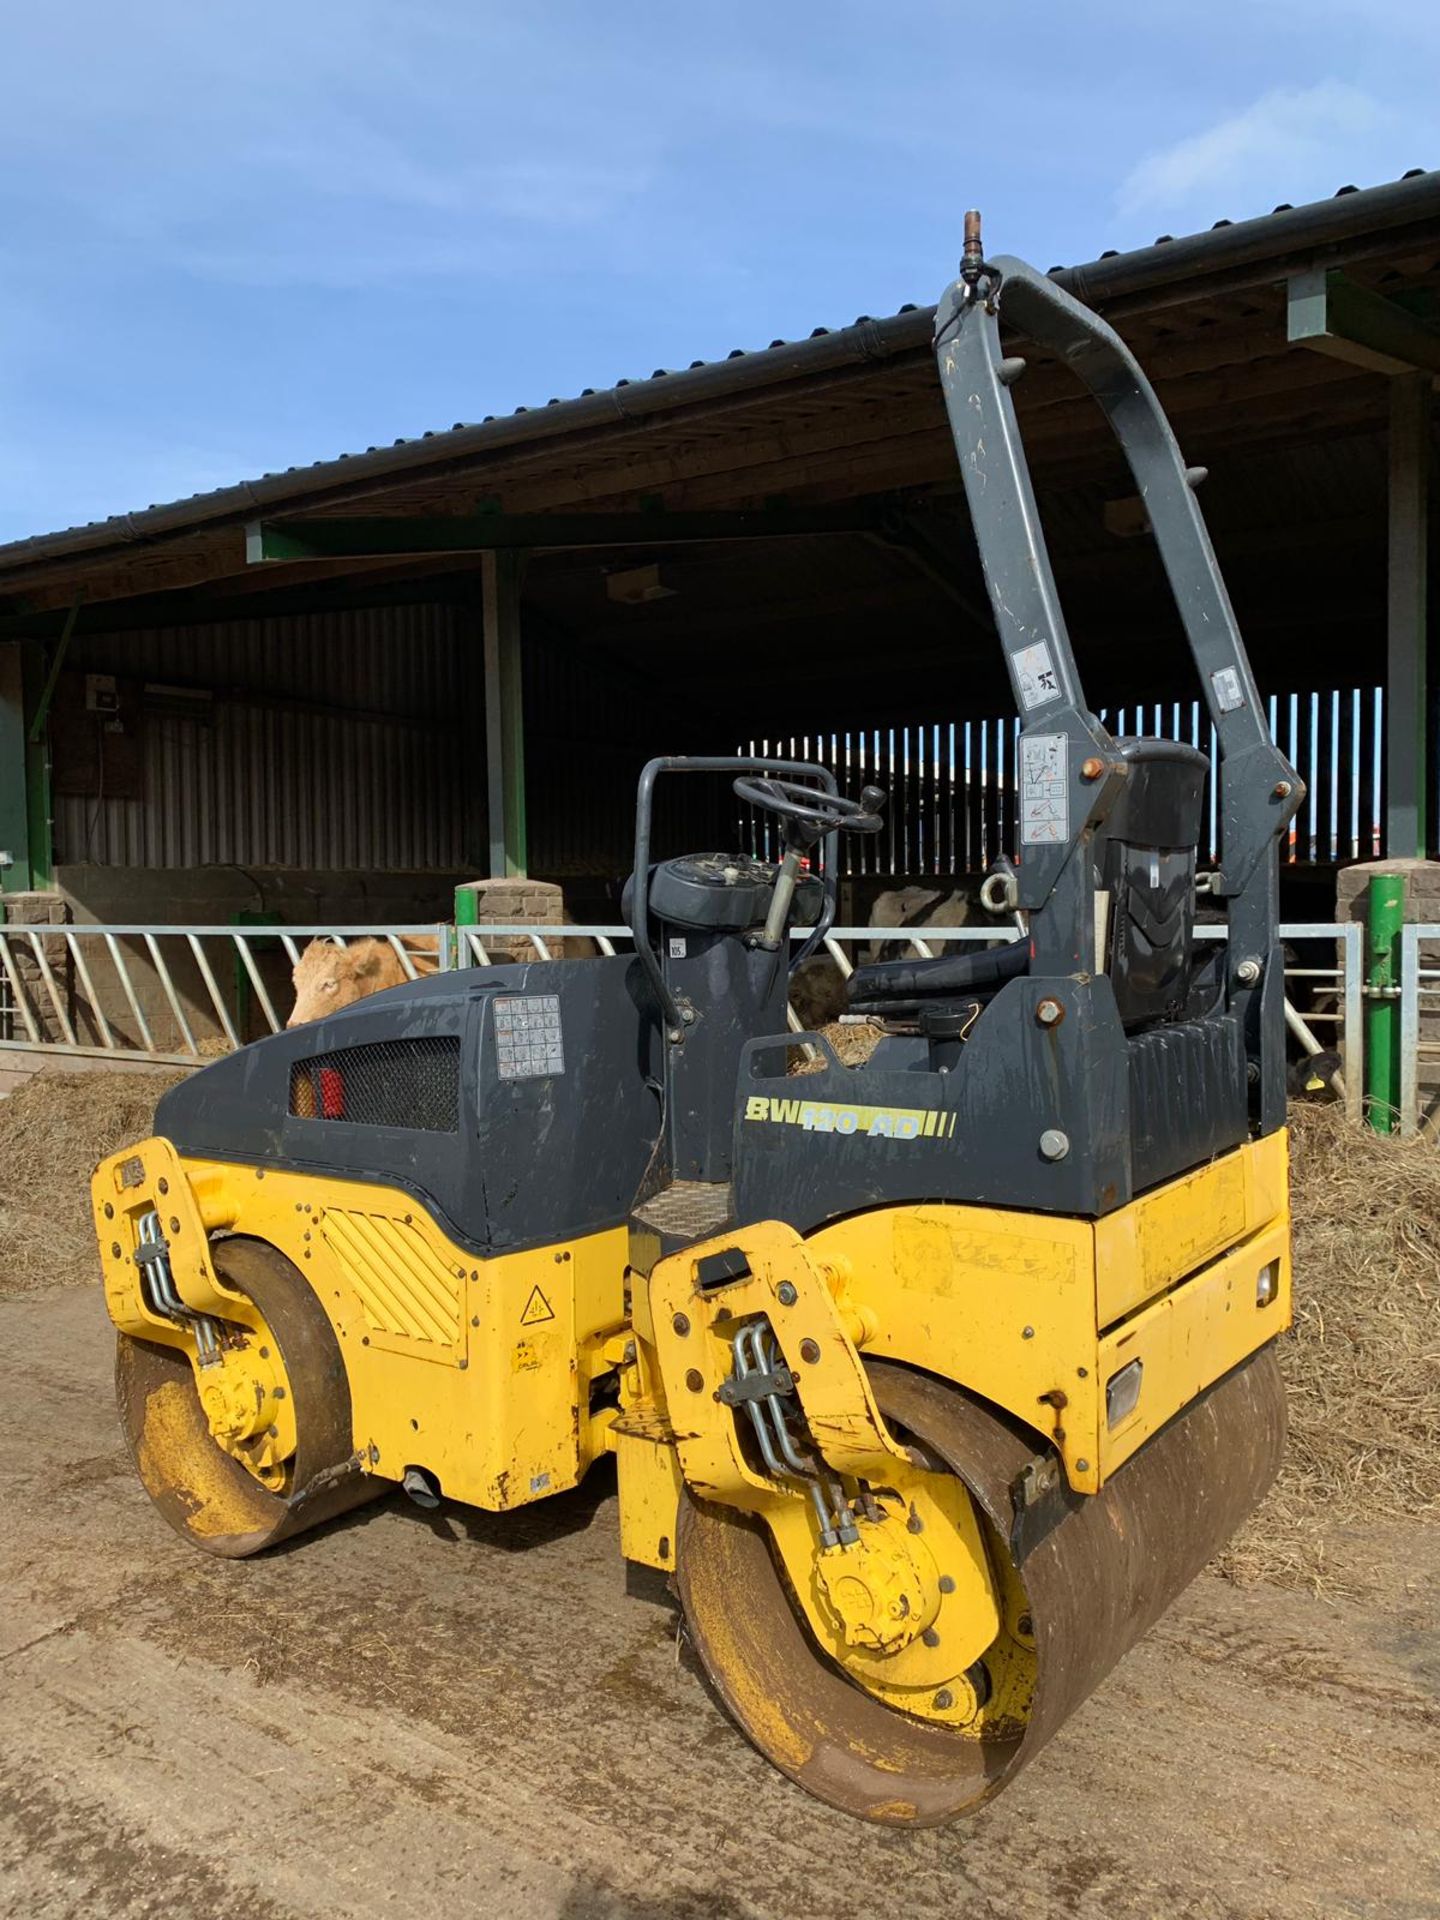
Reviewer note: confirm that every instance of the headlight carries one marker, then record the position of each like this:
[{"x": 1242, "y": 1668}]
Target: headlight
[
  {"x": 1122, "y": 1392},
  {"x": 1267, "y": 1287}
]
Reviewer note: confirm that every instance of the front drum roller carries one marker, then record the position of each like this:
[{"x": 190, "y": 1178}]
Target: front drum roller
[
  {"x": 204, "y": 1491},
  {"x": 1092, "y": 1586}
]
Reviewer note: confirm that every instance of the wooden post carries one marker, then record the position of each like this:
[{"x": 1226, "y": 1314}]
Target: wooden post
[
  {"x": 1406, "y": 810},
  {"x": 500, "y": 575}
]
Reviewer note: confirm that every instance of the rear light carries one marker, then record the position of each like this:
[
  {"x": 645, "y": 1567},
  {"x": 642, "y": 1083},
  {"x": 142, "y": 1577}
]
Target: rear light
[
  {"x": 1122, "y": 1393},
  {"x": 1267, "y": 1287},
  {"x": 332, "y": 1094}
]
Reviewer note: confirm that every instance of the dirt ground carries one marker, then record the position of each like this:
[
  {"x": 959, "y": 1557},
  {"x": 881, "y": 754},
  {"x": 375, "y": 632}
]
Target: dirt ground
[{"x": 452, "y": 1714}]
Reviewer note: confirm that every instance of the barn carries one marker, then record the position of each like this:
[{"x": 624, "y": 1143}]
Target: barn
[{"x": 327, "y": 696}]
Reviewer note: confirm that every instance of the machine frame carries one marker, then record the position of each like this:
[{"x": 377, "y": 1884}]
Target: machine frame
[{"x": 930, "y": 1381}]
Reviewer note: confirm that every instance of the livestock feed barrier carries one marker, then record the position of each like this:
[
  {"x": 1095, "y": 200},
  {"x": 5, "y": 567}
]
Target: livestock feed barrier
[
  {"x": 178, "y": 995},
  {"x": 1419, "y": 995}
]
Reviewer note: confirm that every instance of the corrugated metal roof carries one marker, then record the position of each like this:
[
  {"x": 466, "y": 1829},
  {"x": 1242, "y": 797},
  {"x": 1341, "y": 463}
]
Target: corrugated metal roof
[{"x": 1226, "y": 246}]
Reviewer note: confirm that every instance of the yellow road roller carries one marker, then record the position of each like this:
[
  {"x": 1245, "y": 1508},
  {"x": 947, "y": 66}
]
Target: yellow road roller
[{"x": 929, "y": 1381}]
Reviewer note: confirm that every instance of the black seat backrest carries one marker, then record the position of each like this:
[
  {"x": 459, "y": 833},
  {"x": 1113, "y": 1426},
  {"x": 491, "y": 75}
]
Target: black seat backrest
[{"x": 1147, "y": 857}]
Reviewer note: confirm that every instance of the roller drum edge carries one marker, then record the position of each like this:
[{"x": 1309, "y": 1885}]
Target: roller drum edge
[{"x": 1094, "y": 1585}]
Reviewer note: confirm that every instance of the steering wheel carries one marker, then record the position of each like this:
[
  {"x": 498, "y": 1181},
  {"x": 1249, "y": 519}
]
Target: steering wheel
[{"x": 812, "y": 808}]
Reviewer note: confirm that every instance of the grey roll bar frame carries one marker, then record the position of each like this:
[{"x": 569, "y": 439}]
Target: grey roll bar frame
[
  {"x": 672, "y": 1021},
  {"x": 1259, "y": 790}
]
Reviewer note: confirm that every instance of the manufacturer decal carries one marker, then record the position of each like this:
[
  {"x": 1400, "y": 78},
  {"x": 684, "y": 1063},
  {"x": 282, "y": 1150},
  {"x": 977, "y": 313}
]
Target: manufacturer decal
[{"x": 881, "y": 1123}]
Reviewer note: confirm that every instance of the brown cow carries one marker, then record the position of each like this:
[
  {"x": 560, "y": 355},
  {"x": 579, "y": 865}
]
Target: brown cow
[{"x": 328, "y": 976}]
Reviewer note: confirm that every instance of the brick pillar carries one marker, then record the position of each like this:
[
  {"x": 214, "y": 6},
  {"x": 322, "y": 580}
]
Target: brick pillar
[
  {"x": 41, "y": 910},
  {"x": 516, "y": 901}
]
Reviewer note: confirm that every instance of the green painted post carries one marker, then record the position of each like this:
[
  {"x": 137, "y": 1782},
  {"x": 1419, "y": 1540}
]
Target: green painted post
[
  {"x": 14, "y": 810},
  {"x": 1385, "y": 916},
  {"x": 500, "y": 575},
  {"x": 467, "y": 903},
  {"x": 1407, "y": 831},
  {"x": 24, "y": 771}
]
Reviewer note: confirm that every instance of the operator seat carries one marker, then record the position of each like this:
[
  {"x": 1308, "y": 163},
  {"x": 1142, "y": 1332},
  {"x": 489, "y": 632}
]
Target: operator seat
[{"x": 1145, "y": 859}]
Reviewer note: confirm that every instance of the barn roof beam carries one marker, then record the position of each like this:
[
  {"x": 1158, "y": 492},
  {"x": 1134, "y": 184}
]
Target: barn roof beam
[
  {"x": 1329, "y": 312},
  {"x": 937, "y": 557},
  {"x": 368, "y": 535}
]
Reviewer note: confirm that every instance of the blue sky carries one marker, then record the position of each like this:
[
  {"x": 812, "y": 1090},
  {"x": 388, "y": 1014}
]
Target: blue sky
[{"x": 236, "y": 237}]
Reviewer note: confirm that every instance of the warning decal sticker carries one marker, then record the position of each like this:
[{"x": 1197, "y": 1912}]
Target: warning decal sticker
[
  {"x": 1229, "y": 694},
  {"x": 528, "y": 1039},
  {"x": 1035, "y": 672},
  {"x": 1044, "y": 789},
  {"x": 537, "y": 1308}
]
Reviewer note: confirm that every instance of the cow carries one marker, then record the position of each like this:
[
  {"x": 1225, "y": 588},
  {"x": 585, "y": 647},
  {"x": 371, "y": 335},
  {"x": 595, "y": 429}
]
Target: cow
[
  {"x": 915, "y": 908},
  {"x": 817, "y": 992},
  {"x": 329, "y": 976}
]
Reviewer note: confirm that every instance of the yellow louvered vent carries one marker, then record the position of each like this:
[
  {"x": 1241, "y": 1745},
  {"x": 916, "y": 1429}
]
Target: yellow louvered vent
[{"x": 403, "y": 1284}]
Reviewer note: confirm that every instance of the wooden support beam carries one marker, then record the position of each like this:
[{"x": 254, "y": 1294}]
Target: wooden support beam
[
  {"x": 1406, "y": 825},
  {"x": 500, "y": 575},
  {"x": 936, "y": 556},
  {"x": 1328, "y": 312}
]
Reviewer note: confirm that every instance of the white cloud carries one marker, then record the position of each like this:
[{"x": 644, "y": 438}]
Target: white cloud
[{"x": 1292, "y": 142}]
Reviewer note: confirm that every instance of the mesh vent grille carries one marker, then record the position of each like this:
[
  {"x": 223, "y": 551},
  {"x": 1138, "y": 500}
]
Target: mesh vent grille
[{"x": 391, "y": 1083}]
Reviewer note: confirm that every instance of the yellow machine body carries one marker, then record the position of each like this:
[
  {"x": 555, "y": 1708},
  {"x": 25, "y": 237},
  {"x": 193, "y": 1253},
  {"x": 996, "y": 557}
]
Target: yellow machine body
[
  {"x": 479, "y": 1371},
  {"x": 502, "y": 1380},
  {"x": 482, "y": 1371}
]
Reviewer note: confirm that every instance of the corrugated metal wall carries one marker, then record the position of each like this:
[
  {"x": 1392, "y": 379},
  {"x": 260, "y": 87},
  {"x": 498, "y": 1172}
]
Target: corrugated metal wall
[
  {"x": 333, "y": 741},
  {"x": 951, "y": 785}
]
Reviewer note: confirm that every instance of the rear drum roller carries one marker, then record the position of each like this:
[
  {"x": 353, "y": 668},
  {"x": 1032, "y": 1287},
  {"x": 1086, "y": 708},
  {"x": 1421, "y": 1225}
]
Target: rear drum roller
[
  {"x": 1081, "y": 1597},
  {"x": 235, "y": 1494}
]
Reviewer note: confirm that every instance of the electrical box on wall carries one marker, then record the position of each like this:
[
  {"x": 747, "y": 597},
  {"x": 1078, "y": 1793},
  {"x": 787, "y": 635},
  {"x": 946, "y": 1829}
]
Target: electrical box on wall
[
  {"x": 96, "y": 737},
  {"x": 101, "y": 693}
]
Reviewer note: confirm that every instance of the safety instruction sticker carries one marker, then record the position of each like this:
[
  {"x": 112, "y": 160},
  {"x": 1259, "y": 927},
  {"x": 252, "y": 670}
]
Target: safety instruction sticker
[
  {"x": 1229, "y": 694},
  {"x": 537, "y": 1308},
  {"x": 1035, "y": 672},
  {"x": 1044, "y": 789},
  {"x": 528, "y": 1040}
]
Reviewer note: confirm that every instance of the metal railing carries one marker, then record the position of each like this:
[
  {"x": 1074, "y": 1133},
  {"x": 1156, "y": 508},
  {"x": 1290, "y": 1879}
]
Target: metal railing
[
  {"x": 155, "y": 992},
  {"x": 472, "y": 951},
  {"x": 1419, "y": 998},
  {"x": 178, "y": 995},
  {"x": 1344, "y": 1021}
]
